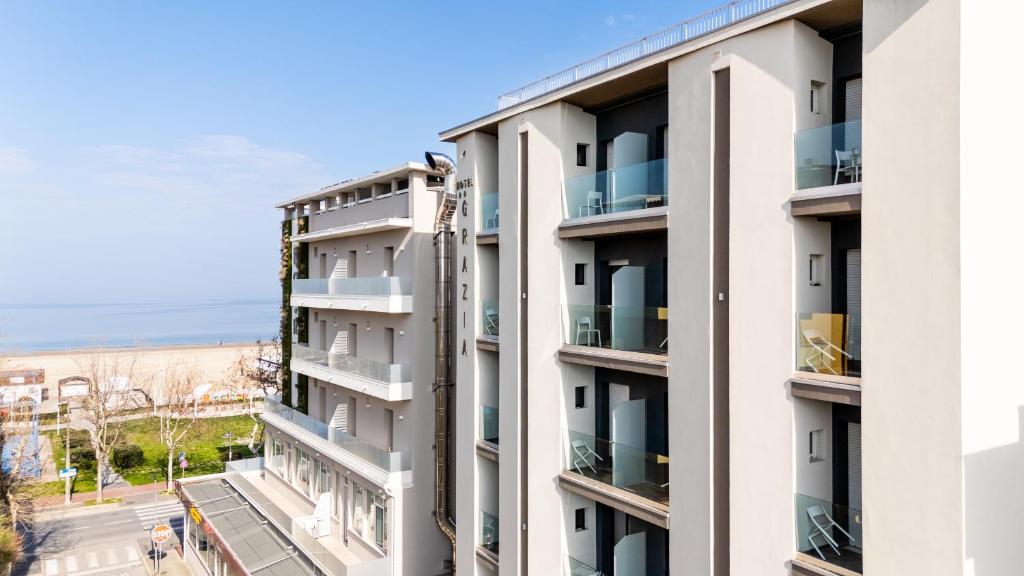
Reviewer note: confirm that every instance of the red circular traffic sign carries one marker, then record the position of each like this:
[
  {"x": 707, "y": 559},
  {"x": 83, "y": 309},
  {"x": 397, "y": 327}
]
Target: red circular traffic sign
[{"x": 160, "y": 533}]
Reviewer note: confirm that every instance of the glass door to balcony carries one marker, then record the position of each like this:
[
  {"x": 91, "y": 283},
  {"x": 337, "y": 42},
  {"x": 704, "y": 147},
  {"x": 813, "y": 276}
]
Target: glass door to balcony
[
  {"x": 630, "y": 556},
  {"x": 628, "y": 308},
  {"x": 629, "y": 438}
]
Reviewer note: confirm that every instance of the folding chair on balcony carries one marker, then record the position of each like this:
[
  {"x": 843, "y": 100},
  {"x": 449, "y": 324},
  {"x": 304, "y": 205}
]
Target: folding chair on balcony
[
  {"x": 581, "y": 454},
  {"x": 491, "y": 317},
  {"x": 593, "y": 205},
  {"x": 584, "y": 326},
  {"x": 822, "y": 524},
  {"x": 821, "y": 346},
  {"x": 847, "y": 165},
  {"x": 492, "y": 222}
]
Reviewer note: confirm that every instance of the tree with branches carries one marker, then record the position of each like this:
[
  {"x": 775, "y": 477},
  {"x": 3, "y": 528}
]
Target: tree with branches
[
  {"x": 18, "y": 442},
  {"x": 257, "y": 374},
  {"x": 176, "y": 406},
  {"x": 115, "y": 384}
]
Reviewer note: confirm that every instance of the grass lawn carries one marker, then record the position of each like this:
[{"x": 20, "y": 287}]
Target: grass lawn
[{"x": 203, "y": 445}]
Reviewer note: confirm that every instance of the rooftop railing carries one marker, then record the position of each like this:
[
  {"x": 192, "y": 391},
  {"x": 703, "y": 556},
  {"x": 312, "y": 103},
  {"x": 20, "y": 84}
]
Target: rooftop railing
[{"x": 706, "y": 23}]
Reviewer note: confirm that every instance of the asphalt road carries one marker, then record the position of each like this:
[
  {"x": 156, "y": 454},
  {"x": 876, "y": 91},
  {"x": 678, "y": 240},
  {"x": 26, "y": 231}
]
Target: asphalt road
[{"x": 106, "y": 541}]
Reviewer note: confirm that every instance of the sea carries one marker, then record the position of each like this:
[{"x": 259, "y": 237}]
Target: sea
[{"x": 46, "y": 327}]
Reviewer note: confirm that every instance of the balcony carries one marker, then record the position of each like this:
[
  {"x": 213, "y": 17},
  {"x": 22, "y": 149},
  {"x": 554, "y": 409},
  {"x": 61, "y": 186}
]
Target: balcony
[
  {"x": 489, "y": 320},
  {"x": 489, "y": 532},
  {"x": 632, "y": 338},
  {"x": 829, "y": 156},
  {"x": 391, "y": 382},
  {"x": 623, "y": 200},
  {"x": 489, "y": 424},
  {"x": 829, "y": 536},
  {"x": 358, "y": 212},
  {"x": 617, "y": 464},
  {"x": 387, "y": 294},
  {"x": 374, "y": 463},
  {"x": 489, "y": 217},
  {"x": 828, "y": 346},
  {"x": 579, "y": 568}
]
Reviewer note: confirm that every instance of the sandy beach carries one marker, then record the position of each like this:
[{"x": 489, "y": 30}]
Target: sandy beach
[{"x": 212, "y": 360}]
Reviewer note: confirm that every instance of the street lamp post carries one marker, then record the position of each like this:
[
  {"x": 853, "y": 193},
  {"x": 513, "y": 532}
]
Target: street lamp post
[
  {"x": 67, "y": 451},
  {"x": 227, "y": 438}
]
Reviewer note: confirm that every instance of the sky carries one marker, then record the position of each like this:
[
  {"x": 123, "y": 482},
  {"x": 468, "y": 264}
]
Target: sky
[{"x": 143, "y": 145}]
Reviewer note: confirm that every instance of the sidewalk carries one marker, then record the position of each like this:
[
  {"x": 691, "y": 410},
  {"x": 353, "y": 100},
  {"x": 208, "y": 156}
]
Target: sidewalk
[{"x": 109, "y": 492}]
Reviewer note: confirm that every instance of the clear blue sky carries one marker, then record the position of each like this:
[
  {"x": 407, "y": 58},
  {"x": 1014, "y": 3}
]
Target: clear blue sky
[{"x": 144, "y": 144}]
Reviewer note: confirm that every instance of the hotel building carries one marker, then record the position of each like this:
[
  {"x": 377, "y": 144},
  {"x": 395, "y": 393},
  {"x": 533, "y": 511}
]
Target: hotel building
[
  {"x": 347, "y": 482},
  {"x": 717, "y": 304}
]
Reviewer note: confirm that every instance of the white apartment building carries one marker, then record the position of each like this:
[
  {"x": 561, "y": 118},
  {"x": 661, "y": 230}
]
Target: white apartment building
[
  {"x": 725, "y": 301},
  {"x": 355, "y": 445}
]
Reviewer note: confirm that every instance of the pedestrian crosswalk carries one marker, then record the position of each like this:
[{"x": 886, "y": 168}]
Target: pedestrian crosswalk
[
  {"x": 166, "y": 511},
  {"x": 115, "y": 559}
]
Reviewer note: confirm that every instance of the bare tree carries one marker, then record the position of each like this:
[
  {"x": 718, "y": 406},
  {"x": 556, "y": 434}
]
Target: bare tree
[
  {"x": 19, "y": 442},
  {"x": 257, "y": 374},
  {"x": 114, "y": 381},
  {"x": 176, "y": 406}
]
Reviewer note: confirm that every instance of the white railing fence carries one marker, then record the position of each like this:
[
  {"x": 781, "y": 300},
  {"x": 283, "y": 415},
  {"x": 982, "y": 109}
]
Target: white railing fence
[{"x": 685, "y": 31}]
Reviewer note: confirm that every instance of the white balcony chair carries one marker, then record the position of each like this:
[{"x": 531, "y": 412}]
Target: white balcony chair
[
  {"x": 492, "y": 222},
  {"x": 846, "y": 166},
  {"x": 823, "y": 524},
  {"x": 585, "y": 326},
  {"x": 491, "y": 317},
  {"x": 581, "y": 455},
  {"x": 593, "y": 205},
  {"x": 821, "y": 347}
]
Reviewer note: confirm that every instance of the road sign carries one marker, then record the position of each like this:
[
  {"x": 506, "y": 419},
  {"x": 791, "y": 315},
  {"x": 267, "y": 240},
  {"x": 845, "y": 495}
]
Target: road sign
[
  {"x": 160, "y": 533},
  {"x": 195, "y": 515},
  {"x": 68, "y": 473},
  {"x": 183, "y": 463}
]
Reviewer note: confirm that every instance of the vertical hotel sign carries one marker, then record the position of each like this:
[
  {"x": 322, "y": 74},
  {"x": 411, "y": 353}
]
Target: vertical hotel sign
[{"x": 464, "y": 189}]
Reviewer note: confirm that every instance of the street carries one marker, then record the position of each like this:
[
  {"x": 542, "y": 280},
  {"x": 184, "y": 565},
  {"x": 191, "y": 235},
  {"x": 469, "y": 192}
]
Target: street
[{"x": 110, "y": 540}]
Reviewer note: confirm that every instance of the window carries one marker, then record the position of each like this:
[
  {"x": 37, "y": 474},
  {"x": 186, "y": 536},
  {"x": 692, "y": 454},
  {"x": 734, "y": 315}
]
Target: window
[
  {"x": 815, "y": 100},
  {"x": 814, "y": 269},
  {"x": 302, "y": 473},
  {"x": 433, "y": 181},
  {"x": 817, "y": 445},
  {"x": 581, "y": 274},
  {"x": 364, "y": 195},
  {"x": 581, "y": 396},
  {"x": 277, "y": 456},
  {"x": 581, "y": 154},
  {"x": 369, "y": 516},
  {"x": 402, "y": 186},
  {"x": 322, "y": 480},
  {"x": 581, "y": 519}
]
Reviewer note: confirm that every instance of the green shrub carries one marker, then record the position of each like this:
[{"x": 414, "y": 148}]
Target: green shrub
[
  {"x": 129, "y": 456},
  {"x": 83, "y": 457}
]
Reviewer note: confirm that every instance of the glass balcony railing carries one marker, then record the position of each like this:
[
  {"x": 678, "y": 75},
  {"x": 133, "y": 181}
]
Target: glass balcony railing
[
  {"x": 616, "y": 464},
  {"x": 489, "y": 531},
  {"x": 634, "y": 187},
  {"x": 628, "y": 328},
  {"x": 830, "y": 532},
  {"x": 578, "y": 568},
  {"x": 828, "y": 344},
  {"x": 369, "y": 286},
  {"x": 379, "y": 457},
  {"x": 489, "y": 217},
  {"x": 828, "y": 155},
  {"x": 489, "y": 424},
  {"x": 380, "y": 371},
  {"x": 489, "y": 317}
]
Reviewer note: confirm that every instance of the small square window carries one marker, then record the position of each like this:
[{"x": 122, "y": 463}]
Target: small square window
[
  {"x": 817, "y": 445},
  {"x": 581, "y": 274},
  {"x": 581, "y": 519},
  {"x": 581, "y": 396},
  {"x": 581, "y": 154}
]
